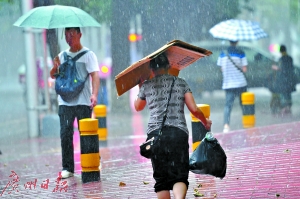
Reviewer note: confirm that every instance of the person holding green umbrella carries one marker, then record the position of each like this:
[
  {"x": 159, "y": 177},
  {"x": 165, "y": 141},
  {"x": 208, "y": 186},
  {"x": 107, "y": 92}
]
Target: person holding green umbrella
[
  {"x": 70, "y": 18},
  {"x": 80, "y": 106}
]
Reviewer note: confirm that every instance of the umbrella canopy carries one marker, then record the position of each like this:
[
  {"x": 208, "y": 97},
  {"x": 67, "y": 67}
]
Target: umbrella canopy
[
  {"x": 237, "y": 30},
  {"x": 56, "y": 16},
  {"x": 179, "y": 53}
]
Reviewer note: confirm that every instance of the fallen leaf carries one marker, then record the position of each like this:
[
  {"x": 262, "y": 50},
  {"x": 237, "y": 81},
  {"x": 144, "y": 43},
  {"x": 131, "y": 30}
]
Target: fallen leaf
[
  {"x": 215, "y": 195},
  {"x": 199, "y": 185},
  {"x": 122, "y": 184},
  {"x": 287, "y": 151},
  {"x": 145, "y": 182},
  {"x": 277, "y": 195},
  {"x": 198, "y": 194},
  {"x": 47, "y": 165}
]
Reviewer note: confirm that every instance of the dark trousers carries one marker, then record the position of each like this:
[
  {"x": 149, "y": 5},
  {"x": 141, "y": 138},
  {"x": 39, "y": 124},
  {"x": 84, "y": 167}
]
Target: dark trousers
[
  {"x": 275, "y": 103},
  {"x": 285, "y": 100},
  {"x": 67, "y": 116}
]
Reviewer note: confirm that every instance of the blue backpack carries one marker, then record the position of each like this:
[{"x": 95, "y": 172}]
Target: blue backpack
[{"x": 68, "y": 84}]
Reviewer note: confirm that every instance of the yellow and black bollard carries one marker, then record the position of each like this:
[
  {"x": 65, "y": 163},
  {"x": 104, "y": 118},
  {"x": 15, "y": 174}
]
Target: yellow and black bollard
[
  {"x": 248, "y": 108},
  {"x": 100, "y": 114},
  {"x": 89, "y": 146},
  {"x": 198, "y": 129}
]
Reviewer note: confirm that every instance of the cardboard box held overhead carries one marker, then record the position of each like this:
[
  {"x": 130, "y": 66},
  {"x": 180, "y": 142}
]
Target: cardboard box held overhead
[{"x": 180, "y": 54}]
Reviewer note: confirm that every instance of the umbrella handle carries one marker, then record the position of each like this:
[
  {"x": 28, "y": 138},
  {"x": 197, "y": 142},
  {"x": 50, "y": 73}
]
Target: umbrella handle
[{"x": 56, "y": 62}]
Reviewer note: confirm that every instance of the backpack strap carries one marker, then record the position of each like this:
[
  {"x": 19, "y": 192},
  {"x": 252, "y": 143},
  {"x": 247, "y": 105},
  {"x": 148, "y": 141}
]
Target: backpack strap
[
  {"x": 79, "y": 55},
  {"x": 67, "y": 57}
]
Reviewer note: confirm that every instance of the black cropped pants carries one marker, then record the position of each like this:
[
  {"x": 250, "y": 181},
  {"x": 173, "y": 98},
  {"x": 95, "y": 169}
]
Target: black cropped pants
[{"x": 171, "y": 160}]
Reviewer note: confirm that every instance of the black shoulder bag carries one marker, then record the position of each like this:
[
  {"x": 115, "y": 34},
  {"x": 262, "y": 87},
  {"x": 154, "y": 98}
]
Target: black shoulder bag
[{"x": 146, "y": 148}]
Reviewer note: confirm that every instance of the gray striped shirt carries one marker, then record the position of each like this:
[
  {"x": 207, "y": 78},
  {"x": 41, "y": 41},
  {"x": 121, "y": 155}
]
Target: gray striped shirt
[{"x": 156, "y": 93}]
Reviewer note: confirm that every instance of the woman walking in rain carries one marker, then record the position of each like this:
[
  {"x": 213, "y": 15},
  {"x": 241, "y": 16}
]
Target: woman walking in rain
[{"x": 170, "y": 162}]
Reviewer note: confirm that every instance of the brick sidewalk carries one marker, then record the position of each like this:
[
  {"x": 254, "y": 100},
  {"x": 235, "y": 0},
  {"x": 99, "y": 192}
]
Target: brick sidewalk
[{"x": 263, "y": 162}]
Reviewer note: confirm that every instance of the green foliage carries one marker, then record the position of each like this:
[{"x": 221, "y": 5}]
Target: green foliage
[
  {"x": 99, "y": 9},
  {"x": 5, "y": 1},
  {"x": 294, "y": 10},
  {"x": 271, "y": 7},
  {"x": 226, "y": 9},
  {"x": 194, "y": 16}
]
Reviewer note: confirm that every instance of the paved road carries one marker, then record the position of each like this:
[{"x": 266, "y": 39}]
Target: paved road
[
  {"x": 13, "y": 121},
  {"x": 262, "y": 161},
  {"x": 262, "y": 111},
  {"x": 13, "y": 117}
]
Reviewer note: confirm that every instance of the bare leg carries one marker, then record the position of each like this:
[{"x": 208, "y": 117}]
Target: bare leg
[
  {"x": 163, "y": 195},
  {"x": 179, "y": 190}
]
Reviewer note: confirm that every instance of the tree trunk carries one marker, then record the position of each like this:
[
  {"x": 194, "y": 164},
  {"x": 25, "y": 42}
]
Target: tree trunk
[
  {"x": 120, "y": 48},
  {"x": 52, "y": 39}
]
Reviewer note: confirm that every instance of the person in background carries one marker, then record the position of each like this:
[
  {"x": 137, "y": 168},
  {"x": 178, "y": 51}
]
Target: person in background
[
  {"x": 171, "y": 162},
  {"x": 234, "y": 81},
  {"x": 81, "y": 106},
  {"x": 285, "y": 82}
]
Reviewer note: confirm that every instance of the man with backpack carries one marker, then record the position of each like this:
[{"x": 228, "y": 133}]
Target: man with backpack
[{"x": 84, "y": 64}]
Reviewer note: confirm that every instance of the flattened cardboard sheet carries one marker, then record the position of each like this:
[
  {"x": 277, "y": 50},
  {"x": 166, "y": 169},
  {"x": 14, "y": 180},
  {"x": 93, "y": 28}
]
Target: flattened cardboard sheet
[{"x": 179, "y": 53}]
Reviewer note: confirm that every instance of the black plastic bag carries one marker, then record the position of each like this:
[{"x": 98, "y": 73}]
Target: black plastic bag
[{"x": 209, "y": 158}]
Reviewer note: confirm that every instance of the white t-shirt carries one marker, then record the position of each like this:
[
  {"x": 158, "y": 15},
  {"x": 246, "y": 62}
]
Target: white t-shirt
[
  {"x": 232, "y": 77},
  {"x": 85, "y": 65}
]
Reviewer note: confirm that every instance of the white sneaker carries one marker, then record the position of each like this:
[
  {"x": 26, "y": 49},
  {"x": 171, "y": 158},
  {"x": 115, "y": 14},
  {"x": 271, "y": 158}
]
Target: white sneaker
[
  {"x": 226, "y": 129},
  {"x": 66, "y": 174}
]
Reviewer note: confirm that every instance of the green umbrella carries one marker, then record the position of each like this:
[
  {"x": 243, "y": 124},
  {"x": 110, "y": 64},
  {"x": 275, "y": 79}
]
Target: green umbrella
[{"x": 56, "y": 16}]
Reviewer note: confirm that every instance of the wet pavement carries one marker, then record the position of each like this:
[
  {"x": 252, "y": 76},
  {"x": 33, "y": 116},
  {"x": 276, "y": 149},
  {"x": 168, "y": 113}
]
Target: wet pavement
[{"x": 263, "y": 161}]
